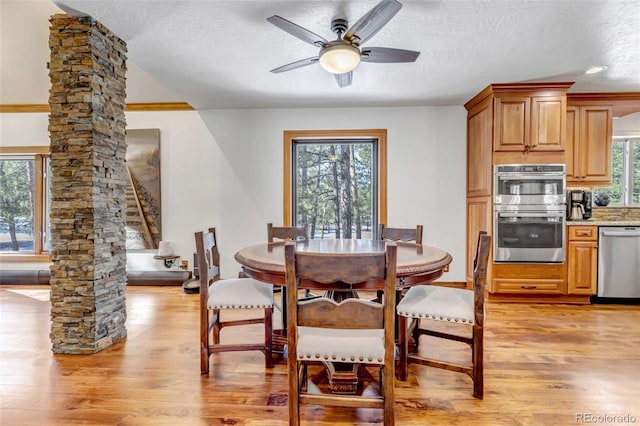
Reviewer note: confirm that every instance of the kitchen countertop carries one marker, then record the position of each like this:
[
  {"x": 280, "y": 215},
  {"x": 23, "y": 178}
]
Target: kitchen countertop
[{"x": 590, "y": 222}]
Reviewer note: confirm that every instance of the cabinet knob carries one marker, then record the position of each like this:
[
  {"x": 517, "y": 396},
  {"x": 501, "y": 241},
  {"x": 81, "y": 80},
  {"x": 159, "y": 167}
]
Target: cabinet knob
[{"x": 528, "y": 287}]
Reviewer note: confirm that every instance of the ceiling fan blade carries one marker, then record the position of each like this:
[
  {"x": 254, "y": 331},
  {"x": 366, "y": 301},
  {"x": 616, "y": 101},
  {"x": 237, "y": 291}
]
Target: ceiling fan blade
[
  {"x": 297, "y": 64},
  {"x": 345, "y": 79},
  {"x": 297, "y": 31},
  {"x": 388, "y": 55},
  {"x": 373, "y": 21}
]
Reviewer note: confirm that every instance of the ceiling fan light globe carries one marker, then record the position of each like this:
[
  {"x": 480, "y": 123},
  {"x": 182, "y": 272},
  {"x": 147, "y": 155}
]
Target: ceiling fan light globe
[{"x": 339, "y": 58}]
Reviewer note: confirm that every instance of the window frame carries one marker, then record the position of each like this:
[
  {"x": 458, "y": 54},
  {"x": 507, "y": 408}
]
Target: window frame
[
  {"x": 290, "y": 136},
  {"x": 40, "y": 154},
  {"x": 627, "y": 142}
]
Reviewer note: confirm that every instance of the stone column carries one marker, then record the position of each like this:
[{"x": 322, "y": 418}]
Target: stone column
[{"x": 87, "y": 128}]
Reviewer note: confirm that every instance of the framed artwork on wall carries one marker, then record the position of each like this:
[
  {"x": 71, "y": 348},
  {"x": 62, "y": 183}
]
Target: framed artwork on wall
[{"x": 143, "y": 223}]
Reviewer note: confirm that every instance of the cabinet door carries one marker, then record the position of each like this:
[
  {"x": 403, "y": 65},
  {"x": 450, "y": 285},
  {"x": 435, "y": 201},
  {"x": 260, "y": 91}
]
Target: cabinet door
[
  {"x": 583, "y": 261},
  {"x": 479, "y": 215},
  {"x": 548, "y": 123},
  {"x": 571, "y": 144},
  {"x": 595, "y": 144},
  {"x": 479, "y": 131},
  {"x": 511, "y": 123}
]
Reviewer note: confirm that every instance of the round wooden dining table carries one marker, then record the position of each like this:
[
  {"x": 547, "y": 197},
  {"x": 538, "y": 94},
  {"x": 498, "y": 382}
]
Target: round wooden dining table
[{"x": 417, "y": 264}]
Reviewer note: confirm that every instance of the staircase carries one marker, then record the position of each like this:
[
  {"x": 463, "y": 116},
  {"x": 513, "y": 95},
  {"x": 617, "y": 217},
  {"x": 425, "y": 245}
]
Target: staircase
[{"x": 138, "y": 235}]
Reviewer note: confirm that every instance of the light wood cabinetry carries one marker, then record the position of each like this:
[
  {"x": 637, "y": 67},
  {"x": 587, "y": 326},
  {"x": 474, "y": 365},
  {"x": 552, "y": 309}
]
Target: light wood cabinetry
[
  {"x": 478, "y": 219},
  {"x": 479, "y": 132},
  {"x": 510, "y": 123},
  {"x": 589, "y": 135},
  {"x": 539, "y": 123},
  {"x": 529, "y": 123},
  {"x": 582, "y": 259},
  {"x": 529, "y": 279}
]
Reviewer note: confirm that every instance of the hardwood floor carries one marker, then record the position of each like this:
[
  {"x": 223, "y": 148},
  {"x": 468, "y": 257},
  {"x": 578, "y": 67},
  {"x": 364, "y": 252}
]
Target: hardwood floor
[{"x": 544, "y": 365}]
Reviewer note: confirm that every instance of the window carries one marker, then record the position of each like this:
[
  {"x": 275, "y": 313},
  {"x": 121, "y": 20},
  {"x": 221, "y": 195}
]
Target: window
[
  {"x": 24, "y": 201},
  {"x": 335, "y": 182},
  {"x": 625, "y": 172}
]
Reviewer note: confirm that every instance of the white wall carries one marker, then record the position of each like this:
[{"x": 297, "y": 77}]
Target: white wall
[
  {"x": 224, "y": 168},
  {"x": 629, "y": 125}
]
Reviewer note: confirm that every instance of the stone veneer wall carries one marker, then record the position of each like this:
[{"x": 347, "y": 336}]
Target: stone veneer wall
[
  {"x": 87, "y": 128},
  {"x": 615, "y": 213}
]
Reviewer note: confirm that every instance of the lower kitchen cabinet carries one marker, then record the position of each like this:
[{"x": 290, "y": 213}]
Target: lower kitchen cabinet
[
  {"x": 528, "y": 279},
  {"x": 582, "y": 259}
]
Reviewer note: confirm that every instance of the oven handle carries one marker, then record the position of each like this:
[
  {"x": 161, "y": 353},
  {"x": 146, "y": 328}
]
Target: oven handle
[
  {"x": 531, "y": 214},
  {"x": 528, "y": 177},
  {"x": 620, "y": 234}
]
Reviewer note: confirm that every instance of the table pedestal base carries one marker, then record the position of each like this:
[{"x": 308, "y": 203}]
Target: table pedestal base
[{"x": 343, "y": 377}]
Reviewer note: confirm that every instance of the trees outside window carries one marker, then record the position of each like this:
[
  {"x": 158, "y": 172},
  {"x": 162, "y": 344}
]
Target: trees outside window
[
  {"x": 334, "y": 188},
  {"x": 335, "y": 182},
  {"x": 24, "y": 211},
  {"x": 625, "y": 173}
]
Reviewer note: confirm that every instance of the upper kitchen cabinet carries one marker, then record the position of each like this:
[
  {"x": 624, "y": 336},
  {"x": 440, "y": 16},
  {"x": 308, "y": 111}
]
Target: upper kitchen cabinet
[
  {"x": 588, "y": 155},
  {"x": 589, "y": 134},
  {"x": 479, "y": 133},
  {"x": 529, "y": 123}
]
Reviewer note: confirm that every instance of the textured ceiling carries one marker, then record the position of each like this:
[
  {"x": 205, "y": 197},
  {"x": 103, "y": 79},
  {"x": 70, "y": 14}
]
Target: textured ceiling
[{"x": 217, "y": 54}]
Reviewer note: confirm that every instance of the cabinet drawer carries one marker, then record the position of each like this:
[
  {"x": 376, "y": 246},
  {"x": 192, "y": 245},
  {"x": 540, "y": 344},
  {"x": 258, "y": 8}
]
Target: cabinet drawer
[
  {"x": 583, "y": 233},
  {"x": 528, "y": 286}
]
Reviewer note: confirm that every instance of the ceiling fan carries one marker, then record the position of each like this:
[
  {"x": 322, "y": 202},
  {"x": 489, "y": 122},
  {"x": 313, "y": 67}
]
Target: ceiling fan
[{"x": 342, "y": 55}]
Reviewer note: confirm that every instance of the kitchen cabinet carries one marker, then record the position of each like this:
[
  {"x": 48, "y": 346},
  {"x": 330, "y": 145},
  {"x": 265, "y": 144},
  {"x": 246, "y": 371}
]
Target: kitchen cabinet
[
  {"x": 582, "y": 259},
  {"x": 588, "y": 153},
  {"x": 509, "y": 123},
  {"x": 478, "y": 219},
  {"x": 529, "y": 123},
  {"x": 479, "y": 133},
  {"x": 525, "y": 279}
]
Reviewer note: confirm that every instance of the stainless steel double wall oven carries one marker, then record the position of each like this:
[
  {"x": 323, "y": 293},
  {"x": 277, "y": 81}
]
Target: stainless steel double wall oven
[{"x": 529, "y": 213}]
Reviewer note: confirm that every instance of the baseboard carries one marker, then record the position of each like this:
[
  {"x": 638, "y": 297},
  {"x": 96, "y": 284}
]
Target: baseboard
[{"x": 34, "y": 277}]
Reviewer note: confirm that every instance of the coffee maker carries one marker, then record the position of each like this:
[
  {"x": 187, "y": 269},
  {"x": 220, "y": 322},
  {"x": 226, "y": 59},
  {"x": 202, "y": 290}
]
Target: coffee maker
[{"x": 579, "y": 204}]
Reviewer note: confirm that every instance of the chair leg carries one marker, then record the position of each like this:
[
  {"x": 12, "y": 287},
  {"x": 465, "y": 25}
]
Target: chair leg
[
  {"x": 294, "y": 392},
  {"x": 268, "y": 337},
  {"x": 204, "y": 342},
  {"x": 216, "y": 326},
  {"x": 403, "y": 346},
  {"x": 389, "y": 401},
  {"x": 478, "y": 361},
  {"x": 414, "y": 330}
]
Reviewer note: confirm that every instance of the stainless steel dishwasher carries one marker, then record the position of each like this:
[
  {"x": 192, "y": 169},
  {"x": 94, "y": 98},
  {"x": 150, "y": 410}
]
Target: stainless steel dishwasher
[{"x": 619, "y": 262}]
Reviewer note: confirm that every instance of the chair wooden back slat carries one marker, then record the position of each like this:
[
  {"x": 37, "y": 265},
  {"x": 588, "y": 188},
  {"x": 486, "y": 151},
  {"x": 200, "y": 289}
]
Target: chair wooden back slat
[
  {"x": 286, "y": 233},
  {"x": 349, "y": 314},
  {"x": 400, "y": 234},
  {"x": 335, "y": 269}
]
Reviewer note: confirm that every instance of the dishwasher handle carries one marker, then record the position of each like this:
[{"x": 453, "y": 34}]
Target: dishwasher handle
[{"x": 620, "y": 234}]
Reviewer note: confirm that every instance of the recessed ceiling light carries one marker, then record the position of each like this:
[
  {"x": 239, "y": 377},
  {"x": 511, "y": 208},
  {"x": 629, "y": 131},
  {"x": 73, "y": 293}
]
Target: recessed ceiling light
[{"x": 594, "y": 70}]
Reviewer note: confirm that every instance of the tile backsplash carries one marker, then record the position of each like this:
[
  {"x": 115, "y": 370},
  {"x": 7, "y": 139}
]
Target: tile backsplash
[{"x": 615, "y": 213}]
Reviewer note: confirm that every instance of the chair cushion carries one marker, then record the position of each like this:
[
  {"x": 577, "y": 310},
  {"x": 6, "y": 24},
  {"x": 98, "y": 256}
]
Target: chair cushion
[
  {"x": 342, "y": 345},
  {"x": 240, "y": 293},
  {"x": 438, "y": 303}
]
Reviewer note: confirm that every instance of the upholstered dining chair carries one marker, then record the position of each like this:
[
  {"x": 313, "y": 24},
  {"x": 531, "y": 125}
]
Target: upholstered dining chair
[
  {"x": 352, "y": 331},
  {"x": 400, "y": 234},
  {"x": 460, "y": 307},
  {"x": 217, "y": 295}
]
